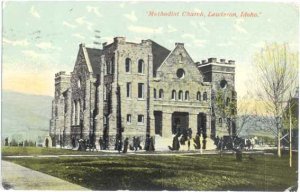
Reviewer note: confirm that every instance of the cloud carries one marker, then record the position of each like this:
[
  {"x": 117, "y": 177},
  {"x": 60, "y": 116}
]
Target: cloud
[
  {"x": 22, "y": 43},
  {"x": 34, "y": 12},
  {"x": 238, "y": 26},
  {"x": 94, "y": 10},
  {"x": 108, "y": 39},
  {"x": 131, "y": 16},
  {"x": 83, "y": 21},
  {"x": 188, "y": 35},
  {"x": 45, "y": 45},
  {"x": 194, "y": 40},
  {"x": 148, "y": 30},
  {"x": 200, "y": 24},
  {"x": 78, "y": 36},
  {"x": 65, "y": 23},
  {"x": 32, "y": 54},
  {"x": 171, "y": 29}
]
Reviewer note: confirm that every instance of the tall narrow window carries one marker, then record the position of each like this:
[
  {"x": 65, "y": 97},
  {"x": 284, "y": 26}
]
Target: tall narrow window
[
  {"x": 180, "y": 57},
  {"x": 112, "y": 65},
  {"x": 173, "y": 95},
  {"x": 180, "y": 95},
  {"x": 141, "y": 90},
  {"x": 227, "y": 101},
  {"x": 204, "y": 96},
  {"x": 141, "y": 66},
  {"x": 73, "y": 113},
  {"x": 127, "y": 65},
  {"x": 198, "y": 96},
  {"x": 220, "y": 121},
  {"x": 104, "y": 120},
  {"x": 187, "y": 96},
  {"x": 128, "y": 90},
  {"x": 108, "y": 65},
  {"x": 78, "y": 112},
  {"x": 140, "y": 119},
  {"x": 128, "y": 118},
  {"x": 154, "y": 93},
  {"x": 105, "y": 93},
  {"x": 161, "y": 94}
]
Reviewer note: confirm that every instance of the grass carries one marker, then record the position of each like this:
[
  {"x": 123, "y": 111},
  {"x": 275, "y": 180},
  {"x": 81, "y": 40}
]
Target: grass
[
  {"x": 177, "y": 172},
  {"x": 10, "y": 151}
]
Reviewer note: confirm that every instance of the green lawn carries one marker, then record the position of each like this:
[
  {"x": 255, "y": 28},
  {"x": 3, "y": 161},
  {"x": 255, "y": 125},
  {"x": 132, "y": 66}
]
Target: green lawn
[
  {"x": 9, "y": 151},
  {"x": 178, "y": 172}
]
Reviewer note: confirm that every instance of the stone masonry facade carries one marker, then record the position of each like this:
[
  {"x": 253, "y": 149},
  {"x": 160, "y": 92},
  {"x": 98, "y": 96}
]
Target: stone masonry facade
[{"x": 141, "y": 89}]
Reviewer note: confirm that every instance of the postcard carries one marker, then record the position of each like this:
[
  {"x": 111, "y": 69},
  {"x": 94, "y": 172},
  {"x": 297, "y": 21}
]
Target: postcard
[{"x": 144, "y": 96}]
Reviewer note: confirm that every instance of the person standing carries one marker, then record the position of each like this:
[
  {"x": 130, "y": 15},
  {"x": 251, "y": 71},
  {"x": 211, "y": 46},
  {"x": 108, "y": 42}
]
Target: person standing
[{"x": 126, "y": 142}]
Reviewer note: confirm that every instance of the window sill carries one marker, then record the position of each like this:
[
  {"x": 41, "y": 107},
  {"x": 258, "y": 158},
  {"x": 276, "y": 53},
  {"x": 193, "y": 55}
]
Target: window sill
[{"x": 141, "y": 99}]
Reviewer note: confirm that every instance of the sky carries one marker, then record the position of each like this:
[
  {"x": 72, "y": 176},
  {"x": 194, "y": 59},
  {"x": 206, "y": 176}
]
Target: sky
[{"x": 40, "y": 39}]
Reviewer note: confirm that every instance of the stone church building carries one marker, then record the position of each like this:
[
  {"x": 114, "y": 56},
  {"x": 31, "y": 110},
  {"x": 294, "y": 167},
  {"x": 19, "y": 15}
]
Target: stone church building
[{"x": 141, "y": 89}]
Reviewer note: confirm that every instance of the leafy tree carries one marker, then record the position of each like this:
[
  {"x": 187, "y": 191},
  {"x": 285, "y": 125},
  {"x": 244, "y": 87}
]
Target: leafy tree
[{"x": 277, "y": 72}]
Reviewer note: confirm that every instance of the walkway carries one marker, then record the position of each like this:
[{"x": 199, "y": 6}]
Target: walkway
[{"x": 20, "y": 178}]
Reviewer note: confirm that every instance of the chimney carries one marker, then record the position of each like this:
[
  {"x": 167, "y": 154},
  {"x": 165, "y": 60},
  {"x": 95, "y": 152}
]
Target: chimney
[
  {"x": 104, "y": 44},
  {"x": 179, "y": 44},
  {"x": 120, "y": 40},
  {"x": 231, "y": 62},
  {"x": 212, "y": 60},
  {"x": 203, "y": 61},
  {"x": 222, "y": 60}
]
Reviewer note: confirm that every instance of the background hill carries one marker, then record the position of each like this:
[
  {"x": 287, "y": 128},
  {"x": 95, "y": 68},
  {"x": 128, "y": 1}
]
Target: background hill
[{"x": 25, "y": 116}]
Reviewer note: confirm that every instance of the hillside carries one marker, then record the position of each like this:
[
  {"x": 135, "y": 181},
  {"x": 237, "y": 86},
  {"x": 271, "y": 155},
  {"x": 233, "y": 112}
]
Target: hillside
[{"x": 25, "y": 116}]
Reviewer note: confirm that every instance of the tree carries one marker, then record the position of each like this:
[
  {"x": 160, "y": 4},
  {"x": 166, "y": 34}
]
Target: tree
[
  {"x": 226, "y": 109},
  {"x": 277, "y": 71}
]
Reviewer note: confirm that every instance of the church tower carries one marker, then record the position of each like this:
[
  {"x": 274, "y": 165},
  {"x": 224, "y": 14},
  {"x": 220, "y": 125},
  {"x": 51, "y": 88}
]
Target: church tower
[{"x": 221, "y": 74}]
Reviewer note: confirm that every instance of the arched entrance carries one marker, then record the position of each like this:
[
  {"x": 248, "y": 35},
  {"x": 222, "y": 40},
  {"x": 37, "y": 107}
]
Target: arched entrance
[{"x": 180, "y": 122}]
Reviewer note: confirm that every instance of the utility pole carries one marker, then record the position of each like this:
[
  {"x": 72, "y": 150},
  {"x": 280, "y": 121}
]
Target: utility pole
[
  {"x": 290, "y": 118},
  {"x": 97, "y": 42}
]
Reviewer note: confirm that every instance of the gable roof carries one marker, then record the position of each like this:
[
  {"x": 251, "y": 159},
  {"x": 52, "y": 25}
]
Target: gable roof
[
  {"x": 159, "y": 54},
  {"x": 94, "y": 57}
]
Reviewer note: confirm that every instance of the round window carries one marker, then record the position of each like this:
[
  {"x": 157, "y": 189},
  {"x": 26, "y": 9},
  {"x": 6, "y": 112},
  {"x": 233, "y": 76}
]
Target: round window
[
  {"x": 180, "y": 73},
  {"x": 223, "y": 83}
]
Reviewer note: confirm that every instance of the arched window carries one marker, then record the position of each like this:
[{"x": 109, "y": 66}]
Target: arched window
[
  {"x": 180, "y": 57},
  {"x": 198, "y": 96},
  {"x": 161, "y": 94},
  {"x": 227, "y": 101},
  {"x": 187, "y": 96},
  {"x": 154, "y": 93},
  {"x": 180, "y": 95},
  {"x": 127, "y": 65},
  {"x": 173, "y": 95},
  {"x": 204, "y": 96},
  {"x": 141, "y": 66}
]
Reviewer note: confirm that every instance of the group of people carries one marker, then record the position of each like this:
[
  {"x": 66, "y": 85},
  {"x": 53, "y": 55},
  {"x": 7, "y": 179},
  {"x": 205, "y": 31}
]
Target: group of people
[
  {"x": 121, "y": 146},
  {"x": 136, "y": 144}
]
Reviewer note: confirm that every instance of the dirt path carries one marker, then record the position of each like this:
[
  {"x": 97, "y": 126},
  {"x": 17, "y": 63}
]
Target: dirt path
[{"x": 20, "y": 178}]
